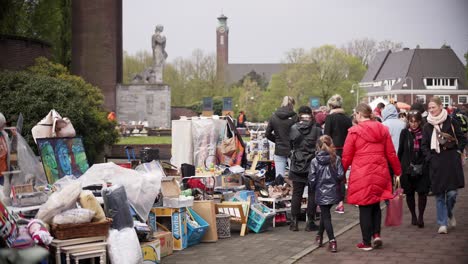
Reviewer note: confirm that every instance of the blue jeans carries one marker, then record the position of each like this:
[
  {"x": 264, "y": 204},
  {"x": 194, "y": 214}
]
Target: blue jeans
[
  {"x": 445, "y": 203},
  {"x": 280, "y": 165}
]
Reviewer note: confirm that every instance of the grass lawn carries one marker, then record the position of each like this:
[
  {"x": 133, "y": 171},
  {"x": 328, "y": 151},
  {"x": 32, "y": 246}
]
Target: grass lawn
[{"x": 152, "y": 140}]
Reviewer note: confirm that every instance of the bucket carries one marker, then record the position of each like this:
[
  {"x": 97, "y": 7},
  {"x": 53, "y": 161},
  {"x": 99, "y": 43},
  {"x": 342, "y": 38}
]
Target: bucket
[{"x": 223, "y": 225}]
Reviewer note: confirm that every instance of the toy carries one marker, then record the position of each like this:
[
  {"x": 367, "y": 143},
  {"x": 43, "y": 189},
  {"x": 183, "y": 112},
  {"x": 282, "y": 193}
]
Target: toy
[{"x": 39, "y": 233}]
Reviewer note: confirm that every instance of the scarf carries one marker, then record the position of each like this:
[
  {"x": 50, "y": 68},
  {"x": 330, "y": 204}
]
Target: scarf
[
  {"x": 417, "y": 136},
  {"x": 337, "y": 111},
  {"x": 436, "y": 121}
]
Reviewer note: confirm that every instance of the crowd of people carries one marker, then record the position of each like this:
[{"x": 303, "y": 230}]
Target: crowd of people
[{"x": 422, "y": 149}]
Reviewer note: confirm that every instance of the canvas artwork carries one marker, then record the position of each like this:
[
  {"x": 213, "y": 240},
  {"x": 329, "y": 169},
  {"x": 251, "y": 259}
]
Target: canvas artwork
[{"x": 62, "y": 156}]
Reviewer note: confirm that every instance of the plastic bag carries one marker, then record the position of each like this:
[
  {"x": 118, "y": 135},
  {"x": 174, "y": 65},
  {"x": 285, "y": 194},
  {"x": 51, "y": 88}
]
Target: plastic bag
[
  {"x": 117, "y": 207},
  {"x": 74, "y": 216},
  {"x": 88, "y": 201},
  {"x": 30, "y": 165},
  {"x": 394, "y": 216},
  {"x": 123, "y": 247},
  {"x": 141, "y": 187},
  {"x": 60, "y": 201}
]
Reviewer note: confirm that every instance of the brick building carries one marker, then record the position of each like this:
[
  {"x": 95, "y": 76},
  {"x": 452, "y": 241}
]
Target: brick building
[
  {"x": 97, "y": 45},
  {"x": 414, "y": 75},
  {"x": 18, "y": 53}
]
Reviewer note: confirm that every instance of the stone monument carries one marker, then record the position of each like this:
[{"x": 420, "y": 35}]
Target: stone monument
[
  {"x": 154, "y": 74},
  {"x": 147, "y": 98}
]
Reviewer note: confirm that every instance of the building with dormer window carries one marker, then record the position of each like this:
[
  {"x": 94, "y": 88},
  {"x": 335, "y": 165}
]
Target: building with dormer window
[{"x": 413, "y": 75}]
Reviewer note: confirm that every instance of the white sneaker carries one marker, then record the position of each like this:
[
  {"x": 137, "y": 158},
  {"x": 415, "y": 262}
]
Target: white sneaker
[
  {"x": 452, "y": 221},
  {"x": 442, "y": 230}
]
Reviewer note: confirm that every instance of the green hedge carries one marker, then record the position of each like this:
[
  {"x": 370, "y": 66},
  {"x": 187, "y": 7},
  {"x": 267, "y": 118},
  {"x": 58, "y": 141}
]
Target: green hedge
[{"x": 47, "y": 86}]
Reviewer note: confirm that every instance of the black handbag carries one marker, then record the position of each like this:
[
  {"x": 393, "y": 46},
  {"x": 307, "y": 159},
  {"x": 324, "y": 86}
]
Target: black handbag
[{"x": 416, "y": 170}]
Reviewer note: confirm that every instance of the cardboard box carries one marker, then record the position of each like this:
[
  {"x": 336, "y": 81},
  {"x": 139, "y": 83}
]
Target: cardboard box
[
  {"x": 206, "y": 209},
  {"x": 151, "y": 251},
  {"x": 165, "y": 241},
  {"x": 171, "y": 191},
  {"x": 178, "y": 224}
]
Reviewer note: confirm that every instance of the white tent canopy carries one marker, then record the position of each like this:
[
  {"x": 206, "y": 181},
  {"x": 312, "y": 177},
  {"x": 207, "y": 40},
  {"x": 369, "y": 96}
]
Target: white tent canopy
[{"x": 376, "y": 101}]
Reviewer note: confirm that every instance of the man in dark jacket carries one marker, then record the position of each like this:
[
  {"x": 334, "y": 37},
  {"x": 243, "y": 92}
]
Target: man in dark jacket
[
  {"x": 303, "y": 135},
  {"x": 277, "y": 131}
]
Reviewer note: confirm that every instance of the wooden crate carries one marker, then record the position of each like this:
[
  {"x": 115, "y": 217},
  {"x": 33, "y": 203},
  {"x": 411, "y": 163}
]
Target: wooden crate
[{"x": 69, "y": 231}]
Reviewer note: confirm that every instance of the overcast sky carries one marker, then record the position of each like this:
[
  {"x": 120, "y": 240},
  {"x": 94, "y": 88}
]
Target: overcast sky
[{"x": 262, "y": 31}]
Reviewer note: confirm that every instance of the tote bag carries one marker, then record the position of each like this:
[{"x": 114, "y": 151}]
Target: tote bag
[{"x": 394, "y": 215}]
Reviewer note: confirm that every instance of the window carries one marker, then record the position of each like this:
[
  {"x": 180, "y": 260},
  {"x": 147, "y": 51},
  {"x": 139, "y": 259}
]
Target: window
[
  {"x": 221, "y": 40},
  {"x": 441, "y": 83},
  {"x": 445, "y": 99},
  {"x": 452, "y": 82},
  {"x": 421, "y": 99},
  {"x": 429, "y": 81},
  {"x": 462, "y": 99}
]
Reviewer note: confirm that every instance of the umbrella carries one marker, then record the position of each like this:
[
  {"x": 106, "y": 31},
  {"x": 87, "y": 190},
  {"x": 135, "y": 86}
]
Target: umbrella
[{"x": 401, "y": 105}]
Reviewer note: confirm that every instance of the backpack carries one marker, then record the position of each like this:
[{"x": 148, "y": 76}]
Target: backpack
[
  {"x": 462, "y": 121},
  {"x": 300, "y": 161}
]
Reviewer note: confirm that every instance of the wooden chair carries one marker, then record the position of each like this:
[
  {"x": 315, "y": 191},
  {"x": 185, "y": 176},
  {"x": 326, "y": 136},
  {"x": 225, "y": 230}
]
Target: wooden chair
[{"x": 239, "y": 212}]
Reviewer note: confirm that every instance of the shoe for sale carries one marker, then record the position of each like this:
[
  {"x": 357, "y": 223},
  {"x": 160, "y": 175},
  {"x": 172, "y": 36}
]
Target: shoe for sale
[
  {"x": 332, "y": 246},
  {"x": 364, "y": 246},
  {"x": 319, "y": 240},
  {"x": 377, "y": 243},
  {"x": 339, "y": 209},
  {"x": 442, "y": 230},
  {"x": 452, "y": 221}
]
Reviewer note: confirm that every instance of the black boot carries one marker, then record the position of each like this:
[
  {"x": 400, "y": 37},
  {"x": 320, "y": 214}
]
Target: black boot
[
  {"x": 293, "y": 226},
  {"x": 310, "y": 225}
]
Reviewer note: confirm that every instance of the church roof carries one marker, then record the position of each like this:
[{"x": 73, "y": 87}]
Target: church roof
[{"x": 235, "y": 72}]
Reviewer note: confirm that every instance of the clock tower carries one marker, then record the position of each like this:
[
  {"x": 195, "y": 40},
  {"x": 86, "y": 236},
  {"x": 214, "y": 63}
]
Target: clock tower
[{"x": 222, "y": 34}]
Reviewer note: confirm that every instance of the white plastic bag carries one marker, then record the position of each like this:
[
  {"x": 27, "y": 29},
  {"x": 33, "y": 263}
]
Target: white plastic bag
[
  {"x": 60, "y": 201},
  {"x": 74, "y": 216},
  {"x": 123, "y": 247},
  {"x": 141, "y": 188}
]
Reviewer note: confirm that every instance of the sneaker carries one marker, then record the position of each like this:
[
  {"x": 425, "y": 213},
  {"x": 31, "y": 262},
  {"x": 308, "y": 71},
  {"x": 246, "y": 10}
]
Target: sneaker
[
  {"x": 377, "y": 243},
  {"x": 332, "y": 246},
  {"x": 452, "y": 221},
  {"x": 364, "y": 246},
  {"x": 319, "y": 240},
  {"x": 339, "y": 209},
  {"x": 442, "y": 230}
]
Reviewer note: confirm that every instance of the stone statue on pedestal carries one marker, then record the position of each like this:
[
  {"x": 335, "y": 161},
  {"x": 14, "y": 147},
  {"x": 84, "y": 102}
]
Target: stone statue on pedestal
[{"x": 154, "y": 74}]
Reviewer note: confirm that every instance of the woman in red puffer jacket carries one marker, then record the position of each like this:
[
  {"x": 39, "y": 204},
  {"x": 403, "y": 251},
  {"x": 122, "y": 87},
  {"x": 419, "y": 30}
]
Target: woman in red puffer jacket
[{"x": 369, "y": 149}]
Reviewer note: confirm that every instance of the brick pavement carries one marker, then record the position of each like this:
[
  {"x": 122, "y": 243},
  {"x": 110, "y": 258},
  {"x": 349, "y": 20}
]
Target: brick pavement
[
  {"x": 406, "y": 243},
  {"x": 278, "y": 245}
]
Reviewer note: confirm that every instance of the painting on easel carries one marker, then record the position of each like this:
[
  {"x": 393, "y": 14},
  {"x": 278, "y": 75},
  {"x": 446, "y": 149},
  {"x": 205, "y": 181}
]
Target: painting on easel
[{"x": 62, "y": 156}]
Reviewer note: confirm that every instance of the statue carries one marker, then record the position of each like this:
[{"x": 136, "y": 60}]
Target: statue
[
  {"x": 158, "y": 43},
  {"x": 154, "y": 74}
]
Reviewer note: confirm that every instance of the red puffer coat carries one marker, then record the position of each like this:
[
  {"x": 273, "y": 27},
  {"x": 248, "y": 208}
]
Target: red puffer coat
[{"x": 367, "y": 149}]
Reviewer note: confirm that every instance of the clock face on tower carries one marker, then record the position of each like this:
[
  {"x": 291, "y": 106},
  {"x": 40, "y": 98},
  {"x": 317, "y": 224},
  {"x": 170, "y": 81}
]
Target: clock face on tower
[{"x": 222, "y": 30}]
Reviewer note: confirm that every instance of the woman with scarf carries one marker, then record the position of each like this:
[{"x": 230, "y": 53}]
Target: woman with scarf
[
  {"x": 415, "y": 176},
  {"x": 442, "y": 144},
  {"x": 336, "y": 126}
]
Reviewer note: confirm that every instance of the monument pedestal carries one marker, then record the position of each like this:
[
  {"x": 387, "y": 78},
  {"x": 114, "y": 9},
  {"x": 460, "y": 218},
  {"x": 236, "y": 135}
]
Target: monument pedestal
[{"x": 144, "y": 102}]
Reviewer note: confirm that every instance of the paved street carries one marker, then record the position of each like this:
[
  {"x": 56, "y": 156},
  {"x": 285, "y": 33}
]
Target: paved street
[{"x": 404, "y": 244}]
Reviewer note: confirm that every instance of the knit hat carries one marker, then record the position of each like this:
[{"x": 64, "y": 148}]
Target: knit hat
[
  {"x": 2, "y": 120},
  {"x": 336, "y": 101},
  {"x": 320, "y": 117}
]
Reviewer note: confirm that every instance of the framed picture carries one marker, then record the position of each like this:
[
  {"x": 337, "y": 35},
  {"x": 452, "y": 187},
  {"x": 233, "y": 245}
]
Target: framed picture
[{"x": 62, "y": 156}]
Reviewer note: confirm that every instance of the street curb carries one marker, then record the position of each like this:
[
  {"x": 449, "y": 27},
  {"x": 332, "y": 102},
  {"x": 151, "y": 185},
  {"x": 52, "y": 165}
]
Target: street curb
[{"x": 307, "y": 251}]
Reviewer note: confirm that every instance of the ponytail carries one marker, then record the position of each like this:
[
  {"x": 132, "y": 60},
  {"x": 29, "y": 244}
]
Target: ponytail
[{"x": 325, "y": 143}]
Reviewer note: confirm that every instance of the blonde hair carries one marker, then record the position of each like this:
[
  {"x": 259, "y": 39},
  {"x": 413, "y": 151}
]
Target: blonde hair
[
  {"x": 325, "y": 143},
  {"x": 288, "y": 101},
  {"x": 436, "y": 100}
]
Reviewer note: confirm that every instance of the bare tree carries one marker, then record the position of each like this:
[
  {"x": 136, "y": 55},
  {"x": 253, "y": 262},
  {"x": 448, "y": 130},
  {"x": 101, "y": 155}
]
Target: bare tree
[
  {"x": 364, "y": 49},
  {"x": 389, "y": 45}
]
